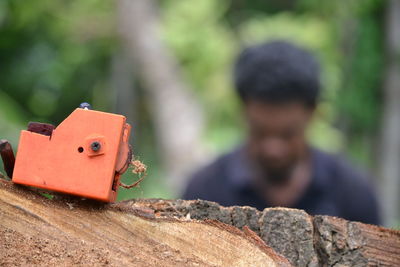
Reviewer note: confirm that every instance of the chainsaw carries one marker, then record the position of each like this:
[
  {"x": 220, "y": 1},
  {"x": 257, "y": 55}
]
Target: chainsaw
[{"x": 85, "y": 155}]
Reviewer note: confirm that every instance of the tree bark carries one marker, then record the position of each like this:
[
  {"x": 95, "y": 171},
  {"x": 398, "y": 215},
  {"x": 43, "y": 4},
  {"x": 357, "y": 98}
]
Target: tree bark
[
  {"x": 177, "y": 116},
  {"x": 35, "y": 230}
]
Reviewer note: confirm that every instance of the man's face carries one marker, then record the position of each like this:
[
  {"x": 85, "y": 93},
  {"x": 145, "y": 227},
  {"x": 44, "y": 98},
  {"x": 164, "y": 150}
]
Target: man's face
[{"x": 276, "y": 136}]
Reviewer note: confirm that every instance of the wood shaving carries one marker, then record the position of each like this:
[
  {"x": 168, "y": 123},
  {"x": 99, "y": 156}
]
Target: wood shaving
[{"x": 138, "y": 168}]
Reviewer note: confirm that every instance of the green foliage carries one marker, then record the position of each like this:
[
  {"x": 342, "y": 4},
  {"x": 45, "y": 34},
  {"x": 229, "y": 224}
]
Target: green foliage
[
  {"x": 53, "y": 54},
  {"x": 361, "y": 96}
]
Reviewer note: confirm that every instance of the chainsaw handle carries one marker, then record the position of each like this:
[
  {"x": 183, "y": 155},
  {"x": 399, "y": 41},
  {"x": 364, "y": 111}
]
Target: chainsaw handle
[{"x": 7, "y": 154}]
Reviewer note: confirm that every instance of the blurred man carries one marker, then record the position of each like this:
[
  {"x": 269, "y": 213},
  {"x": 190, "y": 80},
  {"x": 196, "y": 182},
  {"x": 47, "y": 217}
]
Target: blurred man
[{"x": 278, "y": 84}]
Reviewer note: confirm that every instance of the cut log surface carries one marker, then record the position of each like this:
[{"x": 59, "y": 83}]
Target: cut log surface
[
  {"x": 38, "y": 231},
  {"x": 67, "y": 231}
]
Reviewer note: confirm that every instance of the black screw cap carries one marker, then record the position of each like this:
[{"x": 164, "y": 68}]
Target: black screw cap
[{"x": 95, "y": 146}]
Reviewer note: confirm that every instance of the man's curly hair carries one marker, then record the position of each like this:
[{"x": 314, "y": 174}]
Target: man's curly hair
[{"x": 277, "y": 72}]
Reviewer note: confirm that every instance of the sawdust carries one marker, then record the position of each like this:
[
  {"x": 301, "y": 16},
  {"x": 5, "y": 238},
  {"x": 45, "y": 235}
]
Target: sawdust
[
  {"x": 19, "y": 250},
  {"x": 138, "y": 168}
]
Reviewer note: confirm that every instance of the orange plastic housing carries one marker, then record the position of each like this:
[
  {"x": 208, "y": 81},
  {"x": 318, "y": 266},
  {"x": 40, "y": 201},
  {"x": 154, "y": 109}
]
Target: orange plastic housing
[{"x": 67, "y": 163}]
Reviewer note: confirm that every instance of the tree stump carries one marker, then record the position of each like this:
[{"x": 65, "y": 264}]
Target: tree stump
[{"x": 35, "y": 230}]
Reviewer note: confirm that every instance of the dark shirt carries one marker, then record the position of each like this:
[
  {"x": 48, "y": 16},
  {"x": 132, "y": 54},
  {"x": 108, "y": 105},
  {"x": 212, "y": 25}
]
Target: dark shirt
[{"x": 335, "y": 189}]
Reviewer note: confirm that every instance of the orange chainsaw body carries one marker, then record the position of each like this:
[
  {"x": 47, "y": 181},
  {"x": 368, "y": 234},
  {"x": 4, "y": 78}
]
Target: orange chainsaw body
[{"x": 84, "y": 155}]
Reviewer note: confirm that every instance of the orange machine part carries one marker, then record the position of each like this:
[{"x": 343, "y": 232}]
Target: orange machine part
[{"x": 67, "y": 163}]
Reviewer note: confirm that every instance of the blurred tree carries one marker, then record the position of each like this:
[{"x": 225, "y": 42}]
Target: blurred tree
[
  {"x": 389, "y": 156},
  {"x": 176, "y": 115}
]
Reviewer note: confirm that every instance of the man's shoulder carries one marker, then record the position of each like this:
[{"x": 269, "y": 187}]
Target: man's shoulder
[
  {"x": 350, "y": 187},
  {"x": 212, "y": 176},
  {"x": 216, "y": 167},
  {"x": 338, "y": 169}
]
